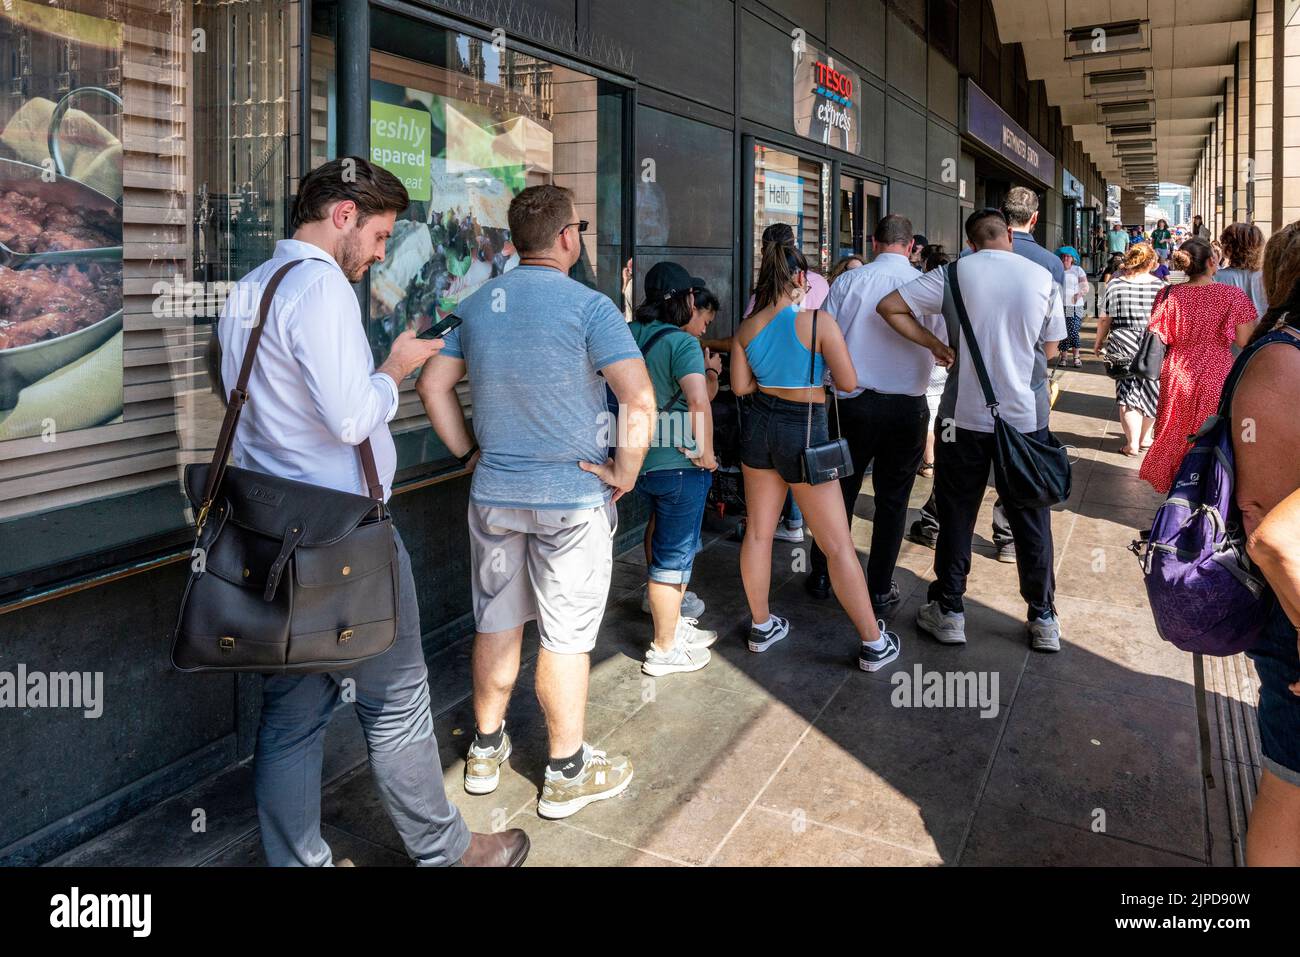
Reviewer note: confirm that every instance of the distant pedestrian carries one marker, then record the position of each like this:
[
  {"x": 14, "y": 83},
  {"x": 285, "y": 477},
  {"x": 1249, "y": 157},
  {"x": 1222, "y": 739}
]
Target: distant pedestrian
[
  {"x": 1243, "y": 248},
  {"x": 1162, "y": 240},
  {"x": 919, "y": 242},
  {"x": 1117, "y": 239},
  {"x": 1199, "y": 321},
  {"x": 1076, "y": 294},
  {"x": 1199, "y": 229},
  {"x": 1124, "y": 313},
  {"x": 847, "y": 264}
]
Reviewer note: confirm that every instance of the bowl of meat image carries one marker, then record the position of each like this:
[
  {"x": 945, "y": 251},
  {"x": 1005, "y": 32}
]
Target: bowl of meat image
[{"x": 60, "y": 274}]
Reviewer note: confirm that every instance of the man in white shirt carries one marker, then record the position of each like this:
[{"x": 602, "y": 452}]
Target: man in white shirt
[
  {"x": 1017, "y": 319},
  {"x": 885, "y": 418},
  {"x": 314, "y": 396}
]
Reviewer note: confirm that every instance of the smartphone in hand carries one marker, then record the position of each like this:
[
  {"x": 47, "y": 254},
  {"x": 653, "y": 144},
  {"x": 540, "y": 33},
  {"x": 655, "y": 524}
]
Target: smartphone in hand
[{"x": 441, "y": 327}]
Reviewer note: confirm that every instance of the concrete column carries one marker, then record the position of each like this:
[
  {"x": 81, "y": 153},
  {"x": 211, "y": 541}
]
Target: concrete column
[
  {"x": 1262, "y": 83},
  {"x": 1245, "y": 165},
  {"x": 1287, "y": 172}
]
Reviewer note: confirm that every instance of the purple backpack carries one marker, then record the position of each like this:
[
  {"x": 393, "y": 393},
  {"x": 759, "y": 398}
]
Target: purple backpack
[{"x": 1205, "y": 594}]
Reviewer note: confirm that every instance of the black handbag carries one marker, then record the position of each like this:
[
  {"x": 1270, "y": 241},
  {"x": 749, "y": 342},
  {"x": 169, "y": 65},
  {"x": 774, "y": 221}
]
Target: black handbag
[
  {"x": 830, "y": 460},
  {"x": 1150, "y": 356},
  {"x": 1031, "y": 473},
  {"x": 285, "y": 577}
]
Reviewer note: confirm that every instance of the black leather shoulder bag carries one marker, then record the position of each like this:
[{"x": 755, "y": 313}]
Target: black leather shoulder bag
[
  {"x": 1033, "y": 473},
  {"x": 1149, "y": 359},
  {"x": 830, "y": 460},
  {"x": 285, "y": 576}
]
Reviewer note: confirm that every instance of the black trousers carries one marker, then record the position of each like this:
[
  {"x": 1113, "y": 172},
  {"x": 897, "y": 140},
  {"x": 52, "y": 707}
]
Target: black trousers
[
  {"x": 1001, "y": 527},
  {"x": 889, "y": 429},
  {"x": 961, "y": 471}
]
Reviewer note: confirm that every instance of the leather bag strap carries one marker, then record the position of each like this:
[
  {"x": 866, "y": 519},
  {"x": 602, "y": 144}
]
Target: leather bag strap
[
  {"x": 239, "y": 396},
  {"x": 812, "y": 381}
]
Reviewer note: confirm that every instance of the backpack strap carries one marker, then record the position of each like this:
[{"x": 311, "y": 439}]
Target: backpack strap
[
  {"x": 1243, "y": 360},
  {"x": 645, "y": 353}
]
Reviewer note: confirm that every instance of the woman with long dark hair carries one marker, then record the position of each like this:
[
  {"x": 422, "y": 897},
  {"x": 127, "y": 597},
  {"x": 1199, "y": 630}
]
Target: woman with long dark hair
[
  {"x": 1199, "y": 321},
  {"x": 1266, "y": 451},
  {"x": 777, "y": 357}
]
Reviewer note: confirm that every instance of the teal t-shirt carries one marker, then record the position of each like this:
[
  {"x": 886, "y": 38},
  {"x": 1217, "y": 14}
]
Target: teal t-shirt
[
  {"x": 674, "y": 355},
  {"x": 1117, "y": 241}
]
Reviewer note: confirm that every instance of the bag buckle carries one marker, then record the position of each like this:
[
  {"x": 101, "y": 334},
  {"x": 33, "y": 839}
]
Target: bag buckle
[
  {"x": 226, "y": 644},
  {"x": 202, "y": 518},
  {"x": 344, "y": 635}
]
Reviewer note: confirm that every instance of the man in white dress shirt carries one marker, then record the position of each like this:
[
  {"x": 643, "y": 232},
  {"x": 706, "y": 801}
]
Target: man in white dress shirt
[
  {"x": 886, "y": 417},
  {"x": 314, "y": 396}
]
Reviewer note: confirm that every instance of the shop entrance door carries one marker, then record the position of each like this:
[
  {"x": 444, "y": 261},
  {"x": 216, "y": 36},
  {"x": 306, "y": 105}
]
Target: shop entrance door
[{"x": 860, "y": 204}]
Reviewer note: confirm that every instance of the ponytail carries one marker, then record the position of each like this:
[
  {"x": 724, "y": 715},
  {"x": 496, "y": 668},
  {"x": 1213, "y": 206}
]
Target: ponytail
[{"x": 776, "y": 274}]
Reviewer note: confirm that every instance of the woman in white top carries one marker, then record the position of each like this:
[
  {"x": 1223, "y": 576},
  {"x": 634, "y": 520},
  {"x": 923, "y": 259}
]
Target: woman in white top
[{"x": 1075, "y": 295}]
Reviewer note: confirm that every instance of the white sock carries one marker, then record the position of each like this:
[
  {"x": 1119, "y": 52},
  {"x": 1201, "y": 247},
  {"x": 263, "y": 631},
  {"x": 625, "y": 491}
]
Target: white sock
[
  {"x": 878, "y": 645},
  {"x": 765, "y": 625}
]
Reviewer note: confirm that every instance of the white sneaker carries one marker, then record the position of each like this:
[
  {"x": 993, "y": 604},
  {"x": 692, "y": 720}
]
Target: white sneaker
[
  {"x": 784, "y": 533},
  {"x": 946, "y": 627},
  {"x": 692, "y": 605},
  {"x": 690, "y": 632},
  {"x": 683, "y": 658},
  {"x": 1045, "y": 634}
]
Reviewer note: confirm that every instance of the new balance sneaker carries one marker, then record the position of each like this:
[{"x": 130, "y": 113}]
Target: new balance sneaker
[
  {"x": 601, "y": 777},
  {"x": 946, "y": 627},
  {"x": 870, "y": 659},
  {"x": 784, "y": 533},
  {"x": 760, "y": 639},
  {"x": 692, "y": 604},
  {"x": 1045, "y": 633},
  {"x": 682, "y": 658},
  {"x": 483, "y": 766}
]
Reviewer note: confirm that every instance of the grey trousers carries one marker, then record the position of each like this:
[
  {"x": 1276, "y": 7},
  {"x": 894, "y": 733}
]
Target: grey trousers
[{"x": 392, "y": 704}]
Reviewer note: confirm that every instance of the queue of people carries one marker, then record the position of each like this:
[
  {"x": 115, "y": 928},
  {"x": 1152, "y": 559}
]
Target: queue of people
[{"x": 888, "y": 345}]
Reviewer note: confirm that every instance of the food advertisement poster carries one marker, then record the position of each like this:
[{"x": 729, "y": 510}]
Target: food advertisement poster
[
  {"x": 60, "y": 223},
  {"x": 457, "y": 237}
]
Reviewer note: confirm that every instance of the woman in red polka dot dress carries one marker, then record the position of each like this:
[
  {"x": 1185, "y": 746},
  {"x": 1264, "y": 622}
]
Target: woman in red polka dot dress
[{"x": 1199, "y": 321}]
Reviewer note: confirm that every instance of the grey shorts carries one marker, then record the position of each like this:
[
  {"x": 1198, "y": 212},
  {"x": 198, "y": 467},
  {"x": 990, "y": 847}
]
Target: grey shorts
[{"x": 552, "y": 566}]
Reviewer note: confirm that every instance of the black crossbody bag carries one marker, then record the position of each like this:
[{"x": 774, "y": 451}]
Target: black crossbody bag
[
  {"x": 830, "y": 460},
  {"x": 1149, "y": 359},
  {"x": 285, "y": 577},
  {"x": 1034, "y": 473}
]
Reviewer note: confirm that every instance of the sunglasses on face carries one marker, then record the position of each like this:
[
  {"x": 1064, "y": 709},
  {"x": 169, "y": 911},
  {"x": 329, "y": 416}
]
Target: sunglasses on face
[{"x": 582, "y": 225}]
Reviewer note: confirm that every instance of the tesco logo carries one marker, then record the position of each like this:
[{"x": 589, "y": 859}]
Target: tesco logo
[{"x": 833, "y": 80}]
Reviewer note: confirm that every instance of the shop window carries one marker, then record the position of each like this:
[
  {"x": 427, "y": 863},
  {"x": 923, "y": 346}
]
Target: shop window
[
  {"x": 173, "y": 183},
  {"x": 794, "y": 190},
  {"x": 860, "y": 202},
  {"x": 482, "y": 124}
]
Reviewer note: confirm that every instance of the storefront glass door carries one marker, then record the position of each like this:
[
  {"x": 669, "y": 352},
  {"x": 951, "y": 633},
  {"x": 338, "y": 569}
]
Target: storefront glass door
[
  {"x": 860, "y": 205},
  {"x": 794, "y": 190}
]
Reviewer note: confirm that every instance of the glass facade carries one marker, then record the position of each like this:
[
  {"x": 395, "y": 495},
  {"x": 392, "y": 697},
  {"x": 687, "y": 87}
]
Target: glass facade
[{"x": 794, "y": 190}]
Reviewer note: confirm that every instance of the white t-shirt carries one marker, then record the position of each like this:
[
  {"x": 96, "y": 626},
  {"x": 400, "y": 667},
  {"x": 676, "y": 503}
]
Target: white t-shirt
[
  {"x": 1075, "y": 277},
  {"x": 884, "y": 360},
  {"x": 1014, "y": 307}
]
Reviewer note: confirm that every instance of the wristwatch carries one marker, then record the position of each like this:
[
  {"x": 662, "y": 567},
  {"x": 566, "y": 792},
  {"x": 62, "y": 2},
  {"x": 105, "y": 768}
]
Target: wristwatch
[{"x": 463, "y": 459}]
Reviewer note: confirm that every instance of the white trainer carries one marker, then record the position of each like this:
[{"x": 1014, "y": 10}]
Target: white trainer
[{"x": 946, "y": 627}]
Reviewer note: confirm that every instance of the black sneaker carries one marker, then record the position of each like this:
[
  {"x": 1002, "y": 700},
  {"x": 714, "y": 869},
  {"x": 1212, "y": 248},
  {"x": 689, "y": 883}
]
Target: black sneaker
[
  {"x": 885, "y": 604},
  {"x": 921, "y": 535},
  {"x": 870, "y": 660},
  {"x": 818, "y": 584},
  {"x": 760, "y": 639}
]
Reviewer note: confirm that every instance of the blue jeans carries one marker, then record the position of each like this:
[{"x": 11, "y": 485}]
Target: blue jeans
[
  {"x": 677, "y": 497},
  {"x": 793, "y": 517},
  {"x": 392, "y": 703}
]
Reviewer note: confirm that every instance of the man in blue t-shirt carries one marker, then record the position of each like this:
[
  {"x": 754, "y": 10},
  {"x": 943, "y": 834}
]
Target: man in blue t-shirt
[{"x": 539, "y": 348}]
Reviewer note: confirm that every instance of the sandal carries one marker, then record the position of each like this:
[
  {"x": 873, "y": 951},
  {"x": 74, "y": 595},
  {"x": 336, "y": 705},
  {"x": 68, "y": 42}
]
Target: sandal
[
  {"x": 1078, "y": 363},
  {"x": 926, "y": 470}
]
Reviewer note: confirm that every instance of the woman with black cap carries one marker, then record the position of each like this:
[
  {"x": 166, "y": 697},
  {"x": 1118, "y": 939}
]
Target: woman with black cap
[{"x": 675, "y": 476}]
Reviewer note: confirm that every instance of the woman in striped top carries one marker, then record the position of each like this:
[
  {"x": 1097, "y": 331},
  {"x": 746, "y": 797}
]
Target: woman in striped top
[{"x": 1125, "y": 311}]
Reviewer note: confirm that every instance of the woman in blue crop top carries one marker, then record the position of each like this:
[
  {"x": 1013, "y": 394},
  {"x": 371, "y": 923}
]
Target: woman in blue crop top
[{"x": 774, "y": 359}]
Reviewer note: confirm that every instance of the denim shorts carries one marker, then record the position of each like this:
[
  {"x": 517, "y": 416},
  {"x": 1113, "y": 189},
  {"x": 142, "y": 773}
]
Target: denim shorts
[
  {"x": 775, "y": 434},
  {"x": 1278, "y": 665},
  {"x": 677, "y": 498}
]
